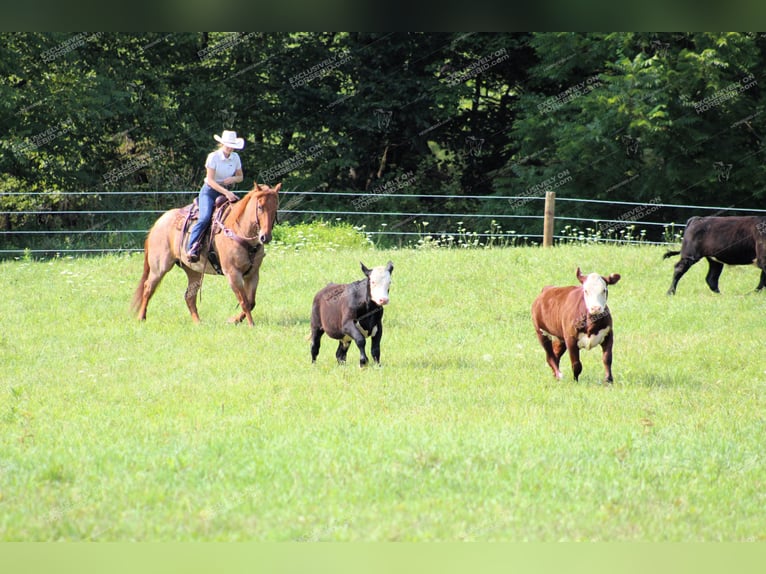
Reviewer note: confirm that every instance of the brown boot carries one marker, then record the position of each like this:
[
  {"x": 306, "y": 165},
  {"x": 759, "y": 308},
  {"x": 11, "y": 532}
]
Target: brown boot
[{"x": 193, "y": 253}]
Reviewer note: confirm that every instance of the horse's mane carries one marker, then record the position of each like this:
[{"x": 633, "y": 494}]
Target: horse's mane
[{"x": 238, "y": 208}]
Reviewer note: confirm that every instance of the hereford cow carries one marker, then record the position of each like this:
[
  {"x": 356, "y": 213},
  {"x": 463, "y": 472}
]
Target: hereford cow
[
  {"x": 574, "y": 318},
  {"x": 721, "y": 240},
  {"x": 352, "y": 312}
]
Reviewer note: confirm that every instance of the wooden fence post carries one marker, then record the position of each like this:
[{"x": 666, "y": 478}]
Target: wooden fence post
[{"x": 550, "y": 208}]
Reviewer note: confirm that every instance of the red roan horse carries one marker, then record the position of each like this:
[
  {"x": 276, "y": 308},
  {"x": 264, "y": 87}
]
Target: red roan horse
[{"x": 238, "y": 241}]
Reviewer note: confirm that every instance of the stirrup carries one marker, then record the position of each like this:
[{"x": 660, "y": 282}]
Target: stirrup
[{"x": 193, "y": 253}]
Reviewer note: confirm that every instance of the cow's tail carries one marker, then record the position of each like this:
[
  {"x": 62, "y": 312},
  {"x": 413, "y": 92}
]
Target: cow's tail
[{"x": 670, "y": 254}]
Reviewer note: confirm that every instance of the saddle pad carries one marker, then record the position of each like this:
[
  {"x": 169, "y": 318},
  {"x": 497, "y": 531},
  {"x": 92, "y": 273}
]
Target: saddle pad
[{"x": 186, "y": 214}]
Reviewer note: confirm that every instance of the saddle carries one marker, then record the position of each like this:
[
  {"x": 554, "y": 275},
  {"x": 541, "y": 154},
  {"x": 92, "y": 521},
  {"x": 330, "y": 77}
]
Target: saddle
[
  {"x": 186, "y": 217},
  {"x": 188, "y": 214}
]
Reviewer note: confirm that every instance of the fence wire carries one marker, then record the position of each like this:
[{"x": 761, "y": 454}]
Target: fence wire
[{"x": 486, "y": 222}]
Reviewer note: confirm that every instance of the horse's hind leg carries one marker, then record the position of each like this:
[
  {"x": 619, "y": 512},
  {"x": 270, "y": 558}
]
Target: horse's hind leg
[
  {"x": 195, "y": 281},
  {"x": 151, "y": 281},
  {"x": 149, "y": 287}
]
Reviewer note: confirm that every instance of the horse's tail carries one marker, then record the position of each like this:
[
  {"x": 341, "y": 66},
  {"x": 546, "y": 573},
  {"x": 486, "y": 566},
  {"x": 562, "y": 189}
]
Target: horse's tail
[
  {"x": 670, "y": 254},
  {"x": 139, "y": 294}
]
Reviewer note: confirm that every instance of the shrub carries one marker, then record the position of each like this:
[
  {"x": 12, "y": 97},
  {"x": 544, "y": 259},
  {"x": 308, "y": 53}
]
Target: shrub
[{"x": 320, "y": 235}]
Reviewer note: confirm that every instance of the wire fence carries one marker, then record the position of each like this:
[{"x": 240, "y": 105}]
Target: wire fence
[{"x": 489, "y": 220}]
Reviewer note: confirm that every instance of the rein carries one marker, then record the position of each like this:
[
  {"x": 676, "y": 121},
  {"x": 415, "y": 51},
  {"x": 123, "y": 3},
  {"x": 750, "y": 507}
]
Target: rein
[{"x": 249, "y": 243}]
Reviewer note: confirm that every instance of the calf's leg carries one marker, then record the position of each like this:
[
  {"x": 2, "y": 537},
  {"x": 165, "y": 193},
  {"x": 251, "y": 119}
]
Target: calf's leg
[
  {"x": 316, "y": 335},
  {"x": 574, "y": 356},
  {"x": 375, "y": 347},
  {"x": 552, "y": 356},
  {"x": 713, "y": 273},
  {"x": 350, "y": 329},
  {"x": 342, "y": 351},
  {"x": 762, "y": 282},
  {"x": 681, "y": 267},
  {"x": 606, "y": 347},
  {"x": 760, "y": 257}
]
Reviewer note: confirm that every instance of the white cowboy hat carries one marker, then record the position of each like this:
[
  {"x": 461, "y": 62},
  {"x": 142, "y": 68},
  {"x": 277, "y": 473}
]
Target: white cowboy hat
[{"x": 230, "y": 139}]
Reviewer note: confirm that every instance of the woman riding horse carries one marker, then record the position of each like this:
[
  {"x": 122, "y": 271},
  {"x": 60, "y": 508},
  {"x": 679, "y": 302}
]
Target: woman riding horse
[{"x": 224, "y": 169}]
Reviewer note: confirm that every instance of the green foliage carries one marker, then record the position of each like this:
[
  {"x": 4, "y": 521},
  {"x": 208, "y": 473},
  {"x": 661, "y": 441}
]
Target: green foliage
[
  {"x": 616, "y": 116},
  {"x": 625, "y": 116},
  {"x": 319, "y": 236}
]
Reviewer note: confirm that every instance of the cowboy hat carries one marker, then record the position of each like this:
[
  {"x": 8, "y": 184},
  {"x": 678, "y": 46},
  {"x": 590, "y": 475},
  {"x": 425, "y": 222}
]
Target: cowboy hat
[{"x": 230, "y": 139}]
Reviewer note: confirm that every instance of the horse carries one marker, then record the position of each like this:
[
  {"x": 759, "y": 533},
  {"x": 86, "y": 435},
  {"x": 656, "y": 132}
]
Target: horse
[{"x": 238, "y": 238}]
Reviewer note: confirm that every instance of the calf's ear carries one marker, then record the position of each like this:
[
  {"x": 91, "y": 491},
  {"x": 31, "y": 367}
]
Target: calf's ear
[
  {"x": 390, "y": 266},
  {"x": 580, "y": 277},
  {"x": 365, "y": 270},
  {"x": 612, "y": 279}
]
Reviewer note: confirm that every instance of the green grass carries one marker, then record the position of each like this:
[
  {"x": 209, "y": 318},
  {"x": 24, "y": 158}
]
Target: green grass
[{"x": 164, "y": 431}]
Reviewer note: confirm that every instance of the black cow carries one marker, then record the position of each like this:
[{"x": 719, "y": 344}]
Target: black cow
[
  {"x": 352, "y": 312},
  {"x": 721, "y": 240}
]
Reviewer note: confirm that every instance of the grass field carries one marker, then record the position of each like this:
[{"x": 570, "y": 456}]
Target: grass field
[{"x": 112, "y": 430}]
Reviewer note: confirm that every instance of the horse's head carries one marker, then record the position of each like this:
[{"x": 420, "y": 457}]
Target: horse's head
[{"x": 266, "y": 203}]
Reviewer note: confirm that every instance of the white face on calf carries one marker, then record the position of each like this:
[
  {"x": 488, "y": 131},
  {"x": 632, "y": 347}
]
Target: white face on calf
[
  {"x": 595, "y": 293},
  {"x": 595, "y": 290},
  {"x": 380, "y": 282}
]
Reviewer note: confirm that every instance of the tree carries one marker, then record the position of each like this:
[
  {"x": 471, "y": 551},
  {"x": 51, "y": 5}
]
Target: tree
[{"x": 641, "y": 117}]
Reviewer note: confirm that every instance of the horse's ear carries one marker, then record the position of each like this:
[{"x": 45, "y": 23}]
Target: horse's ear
[{"x": 278, "y": 187}]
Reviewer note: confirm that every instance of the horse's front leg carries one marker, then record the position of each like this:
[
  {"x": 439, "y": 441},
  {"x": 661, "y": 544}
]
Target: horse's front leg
[
  {"x": 240, "y": 287},
  {"x": 249, "y": 288}
]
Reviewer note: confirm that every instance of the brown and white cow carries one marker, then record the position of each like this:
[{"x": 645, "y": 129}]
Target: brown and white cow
[
  {"x": 352, "y": 312},
  {"x": 573, "y": 318},
  {"x": 722, "y": 241}
]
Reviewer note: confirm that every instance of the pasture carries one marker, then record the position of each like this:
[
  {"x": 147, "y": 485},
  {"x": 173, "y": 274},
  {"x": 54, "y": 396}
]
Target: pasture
[{"x": 112, "y": 430}]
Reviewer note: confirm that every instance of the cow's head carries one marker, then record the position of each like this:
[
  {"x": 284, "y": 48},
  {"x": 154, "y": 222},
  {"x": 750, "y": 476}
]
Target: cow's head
[
  {"x": 380, "y": 281},
  {"x": 595, "y": 290}
]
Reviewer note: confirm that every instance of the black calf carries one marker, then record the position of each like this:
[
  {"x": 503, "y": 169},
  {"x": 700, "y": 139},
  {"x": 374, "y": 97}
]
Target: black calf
[{"x": 349, "y": 312}]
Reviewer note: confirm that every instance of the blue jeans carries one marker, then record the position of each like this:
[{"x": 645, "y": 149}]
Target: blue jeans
[{"x": 207, "y": 197}]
